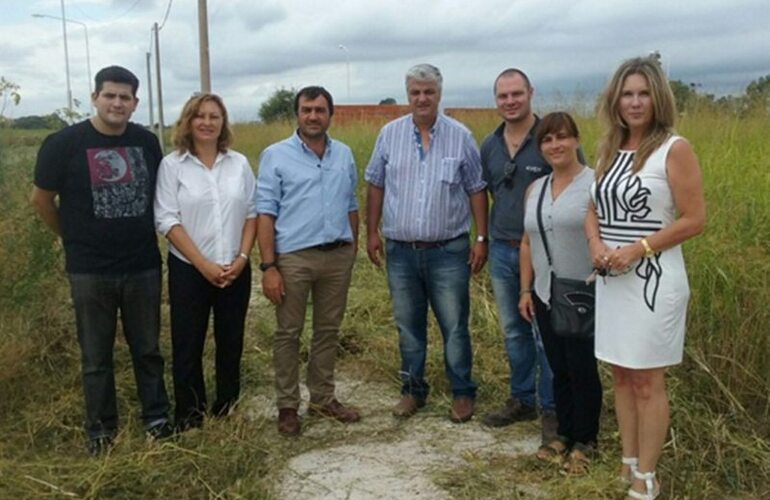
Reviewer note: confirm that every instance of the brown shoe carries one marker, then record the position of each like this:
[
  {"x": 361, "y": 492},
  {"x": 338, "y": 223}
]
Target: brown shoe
[
  {"x": 462, "y": 410},
  {"x": 335, "y": 410},
  {"x": 408, "y": 406},
  {"x": 288, "y": 422}
]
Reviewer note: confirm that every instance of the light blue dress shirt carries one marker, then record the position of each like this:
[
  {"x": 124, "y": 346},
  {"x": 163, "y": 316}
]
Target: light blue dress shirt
[
  {"x": 426, "y": 192},
  {"x": 310, "y": 197}
]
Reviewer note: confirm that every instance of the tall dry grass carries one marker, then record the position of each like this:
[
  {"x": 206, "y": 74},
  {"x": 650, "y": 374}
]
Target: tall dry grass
[{"x": 720, "y": 430}]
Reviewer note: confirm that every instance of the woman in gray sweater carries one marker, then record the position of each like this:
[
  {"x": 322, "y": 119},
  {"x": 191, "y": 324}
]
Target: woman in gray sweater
[{"x": 577, "y": 388}]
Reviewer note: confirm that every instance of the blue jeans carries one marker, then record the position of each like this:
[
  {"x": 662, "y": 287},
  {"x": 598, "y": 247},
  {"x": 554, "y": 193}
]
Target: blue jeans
[
  {"x": 524, "y": 347},
  {"x": 97, "y": 299},
  {"x": 438, "y": 277}
]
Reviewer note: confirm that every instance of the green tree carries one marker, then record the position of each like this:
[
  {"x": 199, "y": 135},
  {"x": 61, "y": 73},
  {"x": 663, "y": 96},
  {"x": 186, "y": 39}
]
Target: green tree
[
  {"x": 758, "y": 94},
  {"x": 388, "y": 100},
  {"x": 34, "y": 122},
  {"x": 684, "y": 94},
  {"x": 279, "y": 106},
  {"x": 9, "y": 93}
]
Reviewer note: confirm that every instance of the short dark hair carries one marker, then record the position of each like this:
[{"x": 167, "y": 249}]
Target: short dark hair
[
  {"x": 117, "y": 74},
  {"x": 312, "y": 92},
  {"x": 555, "y": 122},
  {"x": 510, "y": 72}
]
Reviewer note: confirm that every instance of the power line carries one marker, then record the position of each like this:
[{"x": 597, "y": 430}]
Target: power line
[
  {"x": 108, "y": 21},
  {"x": 165, "y": 17}
]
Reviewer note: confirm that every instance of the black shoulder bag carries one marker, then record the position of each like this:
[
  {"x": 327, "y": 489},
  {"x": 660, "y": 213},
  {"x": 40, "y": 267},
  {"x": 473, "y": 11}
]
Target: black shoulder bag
[{"x": 572, "y": 301}]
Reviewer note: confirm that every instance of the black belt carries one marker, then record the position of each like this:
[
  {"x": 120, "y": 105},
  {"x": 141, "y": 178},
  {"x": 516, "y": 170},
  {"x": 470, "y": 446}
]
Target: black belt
[
  {"x": 425, "y": 245},
  {"x": 330, "y": 246}
]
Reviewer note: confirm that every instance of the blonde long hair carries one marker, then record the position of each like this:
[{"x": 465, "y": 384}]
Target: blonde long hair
[{"x": 616, "y": 130}]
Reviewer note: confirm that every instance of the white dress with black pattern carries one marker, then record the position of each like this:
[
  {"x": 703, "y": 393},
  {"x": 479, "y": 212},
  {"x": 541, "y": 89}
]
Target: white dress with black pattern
[{"x": 640, "y": 315}]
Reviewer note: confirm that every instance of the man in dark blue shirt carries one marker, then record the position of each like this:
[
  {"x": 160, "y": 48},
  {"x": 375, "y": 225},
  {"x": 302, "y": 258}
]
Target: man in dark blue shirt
[{"x": 511, "y": 160}]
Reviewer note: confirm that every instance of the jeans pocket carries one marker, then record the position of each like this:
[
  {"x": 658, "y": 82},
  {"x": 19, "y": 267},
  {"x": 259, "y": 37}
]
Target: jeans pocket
[
  {"x": 457, "y": 246},
  {"x": 390, "y": 247}
]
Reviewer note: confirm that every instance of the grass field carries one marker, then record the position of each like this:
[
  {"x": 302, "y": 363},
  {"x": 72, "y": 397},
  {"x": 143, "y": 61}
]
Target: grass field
[{"x": 719, "y": 444}]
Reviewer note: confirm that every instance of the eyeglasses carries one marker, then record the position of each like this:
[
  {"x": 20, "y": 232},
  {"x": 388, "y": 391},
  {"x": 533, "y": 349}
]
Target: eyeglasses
[{"x": 508, "y": 174}]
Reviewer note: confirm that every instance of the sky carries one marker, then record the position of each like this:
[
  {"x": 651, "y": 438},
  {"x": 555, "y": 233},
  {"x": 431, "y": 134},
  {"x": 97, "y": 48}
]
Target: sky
[{"x": 360, "y": 49}]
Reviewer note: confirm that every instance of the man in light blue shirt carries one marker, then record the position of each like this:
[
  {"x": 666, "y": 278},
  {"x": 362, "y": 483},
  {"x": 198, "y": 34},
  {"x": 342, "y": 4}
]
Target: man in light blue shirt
[
  {"x": 424, "y": 182},
  {"x": 307, "y": 235}
]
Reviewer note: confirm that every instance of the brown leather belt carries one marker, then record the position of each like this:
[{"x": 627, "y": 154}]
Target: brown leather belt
[
  {"x": 513, "y": 243},
  {"x": 331, "y": 246}
]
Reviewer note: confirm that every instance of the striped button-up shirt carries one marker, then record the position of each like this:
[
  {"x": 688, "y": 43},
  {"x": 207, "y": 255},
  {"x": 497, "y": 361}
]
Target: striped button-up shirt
[{"x": 426, "y": 192}]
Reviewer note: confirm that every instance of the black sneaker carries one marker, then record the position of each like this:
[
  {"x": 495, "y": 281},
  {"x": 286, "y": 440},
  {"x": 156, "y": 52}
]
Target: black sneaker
[
  {"x": 513, "y": 411},
  {"x": 99, "y": 446},
  {"x": 160, "y": 431}
]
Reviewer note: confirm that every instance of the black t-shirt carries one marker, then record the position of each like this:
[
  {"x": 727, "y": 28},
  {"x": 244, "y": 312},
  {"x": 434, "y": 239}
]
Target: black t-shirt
[{"x": 106, "y": 186}]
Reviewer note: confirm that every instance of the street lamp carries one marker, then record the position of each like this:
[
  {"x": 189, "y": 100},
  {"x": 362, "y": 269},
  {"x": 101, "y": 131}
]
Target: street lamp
[
  {"x": 88, "y": 54},
  {"x": 347, "y": 59}
]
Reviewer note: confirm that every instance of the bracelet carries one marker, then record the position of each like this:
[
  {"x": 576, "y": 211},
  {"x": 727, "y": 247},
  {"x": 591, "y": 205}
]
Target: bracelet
[
  {"x": 243, "y": 256},
  {"x": 526, "y": 290},
  {"x": 592, "y": 237},
  {"x": 648, "y": 251}
]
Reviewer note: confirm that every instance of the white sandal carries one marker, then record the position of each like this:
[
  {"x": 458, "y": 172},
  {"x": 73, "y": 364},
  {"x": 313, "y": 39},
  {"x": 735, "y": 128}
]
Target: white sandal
[
  {"x": 652, "y": 489},
  {"x": 633, "y": 465}
]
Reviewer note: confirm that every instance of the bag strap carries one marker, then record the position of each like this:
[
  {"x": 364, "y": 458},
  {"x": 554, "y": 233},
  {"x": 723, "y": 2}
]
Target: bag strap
[{"x": 540, "y": 219}]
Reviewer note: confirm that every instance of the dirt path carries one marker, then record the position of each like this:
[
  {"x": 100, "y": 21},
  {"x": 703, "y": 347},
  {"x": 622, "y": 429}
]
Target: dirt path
[{"x": 385, "y": 457}]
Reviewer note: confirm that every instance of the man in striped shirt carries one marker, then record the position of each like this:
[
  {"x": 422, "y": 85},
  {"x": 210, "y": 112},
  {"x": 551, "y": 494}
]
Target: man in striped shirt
[{"x": 425, "y": 182}]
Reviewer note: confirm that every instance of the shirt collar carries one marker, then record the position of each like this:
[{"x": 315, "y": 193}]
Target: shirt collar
[
  {"x": 299, "y": 143},
  {"x": 499, "y": 130},
  {"x": 436, "y": 124},
  {"x": 187, "y": 154}
]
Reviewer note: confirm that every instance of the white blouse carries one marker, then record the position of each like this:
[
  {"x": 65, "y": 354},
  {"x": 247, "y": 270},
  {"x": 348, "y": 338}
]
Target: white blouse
[{"x": 212, "y": 205}]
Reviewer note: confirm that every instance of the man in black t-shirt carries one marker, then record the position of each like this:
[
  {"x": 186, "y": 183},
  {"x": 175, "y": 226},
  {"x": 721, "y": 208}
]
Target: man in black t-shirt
[{"x": 103, "y": 172}]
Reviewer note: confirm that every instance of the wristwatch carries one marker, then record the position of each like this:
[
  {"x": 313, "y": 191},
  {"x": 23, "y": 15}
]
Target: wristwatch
[
  {"x": 648, "y": 251},
  {"x": 264, "y": 266},
  {"x": 482, "y": 239}
]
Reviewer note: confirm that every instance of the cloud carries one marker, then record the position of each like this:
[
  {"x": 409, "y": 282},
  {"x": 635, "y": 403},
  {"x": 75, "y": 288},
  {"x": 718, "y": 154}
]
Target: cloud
[{"x": 566, "y": 47}]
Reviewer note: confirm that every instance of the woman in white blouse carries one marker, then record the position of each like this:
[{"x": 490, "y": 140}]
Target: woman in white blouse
[{"x": 205, "y": 206}]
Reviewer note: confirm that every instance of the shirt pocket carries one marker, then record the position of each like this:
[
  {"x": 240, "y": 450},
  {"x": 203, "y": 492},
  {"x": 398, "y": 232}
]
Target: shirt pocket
[
  {"x": 449, "y": 171},
  {"x": 232, "y": 187}
]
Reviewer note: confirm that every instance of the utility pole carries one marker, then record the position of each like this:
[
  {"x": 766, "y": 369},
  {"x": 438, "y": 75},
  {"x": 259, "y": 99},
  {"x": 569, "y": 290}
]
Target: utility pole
[
  {"x": 203, "y": 46},
  {"x": 66, "y": 61},
  {"x": 160, "y": 90},
  {"x": 88, "y": 53},
  {"x": 149, "y": 92}
]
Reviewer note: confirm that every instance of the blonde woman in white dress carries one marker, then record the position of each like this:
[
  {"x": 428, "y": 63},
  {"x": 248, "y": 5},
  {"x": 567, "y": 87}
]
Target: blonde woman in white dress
[{"x": 647, "y": 200}]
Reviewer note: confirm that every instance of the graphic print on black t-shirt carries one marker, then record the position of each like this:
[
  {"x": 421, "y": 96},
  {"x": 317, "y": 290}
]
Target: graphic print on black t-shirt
[{"x": 119, "y": 182}]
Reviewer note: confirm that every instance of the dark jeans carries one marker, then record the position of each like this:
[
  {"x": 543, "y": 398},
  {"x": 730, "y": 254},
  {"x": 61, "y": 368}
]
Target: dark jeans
[
  {"x": 97, "y": 299},
  {"x": 192, "y": 298},
  {"x": 576, "y": 385},
  {"x": 438, "y": 277}
]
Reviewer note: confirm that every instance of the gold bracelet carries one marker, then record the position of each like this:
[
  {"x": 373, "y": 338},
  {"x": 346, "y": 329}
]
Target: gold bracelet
[
  {"x": 648, "y": 251},
  {"x": 526, "y": 290}
]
